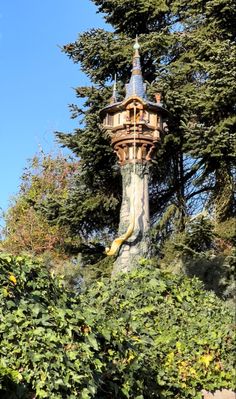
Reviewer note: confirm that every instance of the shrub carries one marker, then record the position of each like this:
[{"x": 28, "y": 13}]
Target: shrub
[
  {"x": 43, "y": 335},
  {"x": 167, "y": 336},
  {"x": 146, "y": 334}
]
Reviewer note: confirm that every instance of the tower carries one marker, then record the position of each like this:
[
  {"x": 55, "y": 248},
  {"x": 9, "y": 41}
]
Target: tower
[{"x": 134, "y": 126}]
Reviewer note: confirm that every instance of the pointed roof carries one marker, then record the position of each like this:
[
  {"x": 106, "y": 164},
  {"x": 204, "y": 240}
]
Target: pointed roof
[
  {"x": 136, "y": 87},
  {"x": 113, "y": 99}
]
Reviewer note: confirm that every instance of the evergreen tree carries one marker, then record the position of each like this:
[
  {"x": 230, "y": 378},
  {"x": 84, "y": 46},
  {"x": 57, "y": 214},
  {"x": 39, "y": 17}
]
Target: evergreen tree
[{"x": 188, "y": 52}]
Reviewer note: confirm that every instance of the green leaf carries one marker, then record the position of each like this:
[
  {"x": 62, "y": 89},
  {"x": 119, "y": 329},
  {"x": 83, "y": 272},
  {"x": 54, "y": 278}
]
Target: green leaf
[{"x": 92, "y": 341}]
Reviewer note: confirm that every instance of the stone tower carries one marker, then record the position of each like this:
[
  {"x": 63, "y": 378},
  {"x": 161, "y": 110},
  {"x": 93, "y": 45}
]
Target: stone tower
[{"x": 135, "y": 126}]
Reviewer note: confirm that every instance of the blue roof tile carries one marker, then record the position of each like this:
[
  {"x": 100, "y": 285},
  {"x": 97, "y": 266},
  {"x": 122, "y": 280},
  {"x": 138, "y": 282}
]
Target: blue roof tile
[{"x": 136, "y": 87}]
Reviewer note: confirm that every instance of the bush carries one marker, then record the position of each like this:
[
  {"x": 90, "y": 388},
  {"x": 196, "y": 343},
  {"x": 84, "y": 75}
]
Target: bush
[
  {"x": 180, "y": 337},
  {"x": 27, "y": 229},
  {"x": 146, "y": 334},
  {"x": 43, "y": 335}
]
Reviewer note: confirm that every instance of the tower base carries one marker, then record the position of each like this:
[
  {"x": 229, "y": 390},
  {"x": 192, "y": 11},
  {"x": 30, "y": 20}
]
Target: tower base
[{"x": 135, "y": 205}]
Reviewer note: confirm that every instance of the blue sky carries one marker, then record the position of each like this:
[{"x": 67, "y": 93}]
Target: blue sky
[{"x": 36, "y": 79}]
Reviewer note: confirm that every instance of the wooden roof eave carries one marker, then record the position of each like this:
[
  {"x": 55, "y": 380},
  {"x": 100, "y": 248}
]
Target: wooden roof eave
[{"x": 121, "y": 106}]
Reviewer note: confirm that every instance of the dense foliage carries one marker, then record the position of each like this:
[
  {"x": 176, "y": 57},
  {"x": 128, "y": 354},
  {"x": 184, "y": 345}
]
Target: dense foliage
[
  {"x": 43, "y": 344},
  {"x": 175, "y": 333},
  {"x": 143, "y": 335},
  {"x": 27, "y": 230},
  {"x": 206, "y": 251}
]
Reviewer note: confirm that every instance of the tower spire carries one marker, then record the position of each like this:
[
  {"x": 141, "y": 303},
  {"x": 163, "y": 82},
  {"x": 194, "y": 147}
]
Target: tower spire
[
  {"x": 136, "y": 87},
  {"x": 136, "y": 59},
  {"x": 113, "y": 99}
]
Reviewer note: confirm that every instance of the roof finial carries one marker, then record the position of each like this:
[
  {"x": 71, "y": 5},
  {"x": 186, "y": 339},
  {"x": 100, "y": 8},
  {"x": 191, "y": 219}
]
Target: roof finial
[
  {"x": 136, "y": 58},
  {"x": 136, "y": 47}
]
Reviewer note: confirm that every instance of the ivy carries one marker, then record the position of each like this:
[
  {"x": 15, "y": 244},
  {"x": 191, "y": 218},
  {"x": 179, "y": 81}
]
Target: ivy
[
  {"x": 142, "y": 335},
  {"x": 43, "y": 333},
  {"x": 179, "y": 336}
]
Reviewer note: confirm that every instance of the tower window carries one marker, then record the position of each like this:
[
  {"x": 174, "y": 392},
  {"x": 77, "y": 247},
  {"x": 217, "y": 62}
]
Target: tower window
[{"x": 109, "y": 120}]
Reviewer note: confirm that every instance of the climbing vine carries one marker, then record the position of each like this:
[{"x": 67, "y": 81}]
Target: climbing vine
[{"x": 144, "y": 334}]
